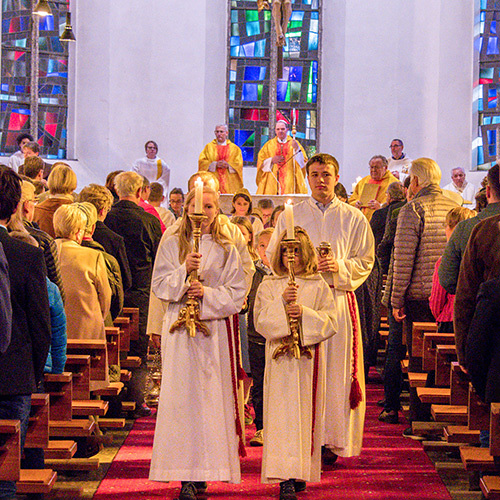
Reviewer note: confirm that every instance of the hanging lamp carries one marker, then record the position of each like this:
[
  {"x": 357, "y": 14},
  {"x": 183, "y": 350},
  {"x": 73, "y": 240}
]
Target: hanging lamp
[
  {"x": 42, "y": 8},
  {"x": 67, "y": 34}
]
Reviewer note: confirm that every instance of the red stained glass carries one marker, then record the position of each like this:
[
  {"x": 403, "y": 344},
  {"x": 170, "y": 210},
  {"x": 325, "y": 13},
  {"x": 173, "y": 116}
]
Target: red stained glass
[{"x": 51, "y": 128}]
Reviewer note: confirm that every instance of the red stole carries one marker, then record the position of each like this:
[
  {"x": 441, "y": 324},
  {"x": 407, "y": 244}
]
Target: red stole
[
  {"x": 282, "y": 149},
  {"x": 222, "y": 154}
]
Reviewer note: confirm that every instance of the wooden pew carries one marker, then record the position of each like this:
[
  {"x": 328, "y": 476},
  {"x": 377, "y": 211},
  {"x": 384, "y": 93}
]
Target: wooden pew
[
  {"x": 38, "y": 425},
  {"x": 418, "y": 330},
  {"x": 60, "y": 389},
  {"x": 113, "y": 344},
  {"x": 10, "y": 449},
  {"x": 98, "y": 353},
  {"x": 445, "y": 355},
  {"x": 430, "y": 340},
  {"x": 79, "y": 366},
  {"x": 479, "y": 412},
  {"x": 125, "y": 332},
  {"x": 133, "y": 314}
]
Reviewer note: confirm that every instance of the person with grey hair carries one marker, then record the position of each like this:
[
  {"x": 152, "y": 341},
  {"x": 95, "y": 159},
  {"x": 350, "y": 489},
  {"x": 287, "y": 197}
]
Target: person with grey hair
[
  {"x": 419, "y": 242},
  {"x": 142, "y": 233},
  {"x": 152, "y": 166},
  {"x": 373, "y": 186},
  {"x": 395, "y": 197},
  {"x": 224, "y": 159},
  {"x": 459, "y": 185},
  {"x": 399, "y": 163}
]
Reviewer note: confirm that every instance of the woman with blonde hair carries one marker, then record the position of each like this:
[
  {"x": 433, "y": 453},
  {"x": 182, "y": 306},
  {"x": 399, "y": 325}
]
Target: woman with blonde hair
[
  {"x": 83, "y": 270},
  {"x": 199, "y": 379}
]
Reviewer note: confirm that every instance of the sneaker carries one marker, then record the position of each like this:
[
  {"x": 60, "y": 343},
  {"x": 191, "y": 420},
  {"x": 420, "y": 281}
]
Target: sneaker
[
  {"x": 143, "y": 411},
  {"x": 287, "y": 490},
  {"x": 389, "y": 417},
  {"x": 299, "y": 485},
  {"x": 258, "y": 438},
  {"x": 248, "y": 416},
  {"x": 188, "y": 491}
]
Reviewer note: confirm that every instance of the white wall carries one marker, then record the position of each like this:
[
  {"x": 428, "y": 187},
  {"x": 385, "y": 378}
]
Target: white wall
[{"x": 390, "y": 69}]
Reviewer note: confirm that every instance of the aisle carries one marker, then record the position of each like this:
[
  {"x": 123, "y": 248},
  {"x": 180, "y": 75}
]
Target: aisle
[{"x": 390, "y": 468}]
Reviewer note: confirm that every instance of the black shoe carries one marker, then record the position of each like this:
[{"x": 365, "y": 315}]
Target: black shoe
[
  {"x": 287, "y": 490},
  {"x": 201, "y": 486},
  {"x": 327, "y": 456},
  {"x": 188, "y": 491},
  {"x": 381, "y": 403},
  {"x": 408, "y": 433},
  {"x": 142, "y": 411},
  {"x": 389, "y": 417},
  {"x": 299, "y": 485}
]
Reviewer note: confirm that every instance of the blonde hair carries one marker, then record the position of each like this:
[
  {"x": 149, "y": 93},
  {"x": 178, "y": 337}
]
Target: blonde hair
[
  {"x": 307, "y": 251},
  {"x": 426, "y": 170},
  {"x": 209, "y": 179},
  {"x": 99, "y": 196},
  {"x": 128, "y": 183},
  {"x": 62, "y": 179},
  {"x": 268, "y": 231},
  {"x": 458, "y": 214},
  {"x": 243, "y": 221},
  {"x": 185, "y": 230},
  {"x": 90, "y": 213},
  {"x": 68, "y": 220}
]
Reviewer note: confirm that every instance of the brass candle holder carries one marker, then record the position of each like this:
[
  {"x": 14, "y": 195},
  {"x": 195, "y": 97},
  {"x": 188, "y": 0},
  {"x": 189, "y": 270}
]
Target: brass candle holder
[
  {"x": 189, "y": 315},
  {"x": 291, "y": 344}
]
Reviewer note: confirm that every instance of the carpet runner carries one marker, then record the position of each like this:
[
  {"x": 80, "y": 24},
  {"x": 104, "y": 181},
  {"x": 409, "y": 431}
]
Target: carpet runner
[{"x": 390, "y": 467}]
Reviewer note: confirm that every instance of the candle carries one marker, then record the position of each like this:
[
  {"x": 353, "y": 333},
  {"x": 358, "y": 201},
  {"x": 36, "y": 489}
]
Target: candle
[
  {"x": 198, "y": 196},
  {"x": 294, "y": 117},
  {"x": 290, "y": 233}
]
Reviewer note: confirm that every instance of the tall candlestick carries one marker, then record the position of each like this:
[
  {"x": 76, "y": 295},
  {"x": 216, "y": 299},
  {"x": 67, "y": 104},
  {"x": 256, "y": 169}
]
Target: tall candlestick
[
  {"x": 290, "y": 233},
  {"x": 198, "y": 196}
]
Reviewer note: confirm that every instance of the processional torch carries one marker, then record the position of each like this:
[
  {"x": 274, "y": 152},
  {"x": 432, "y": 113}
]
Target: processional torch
[
  {"x": 189, "y": 315},
  {"x": 291, "y": 344}
]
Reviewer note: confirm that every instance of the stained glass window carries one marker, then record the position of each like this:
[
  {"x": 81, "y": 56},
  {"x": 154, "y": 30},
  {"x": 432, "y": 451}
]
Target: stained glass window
[
  {"x": 248, "y": 75},
  {"x": 15, "y": 85}
]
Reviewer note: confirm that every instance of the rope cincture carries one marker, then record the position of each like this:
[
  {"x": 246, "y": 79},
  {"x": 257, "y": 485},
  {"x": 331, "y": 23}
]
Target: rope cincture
[
  {"x": 356, "y": 394},
  {"x": 232, "y": 343}
]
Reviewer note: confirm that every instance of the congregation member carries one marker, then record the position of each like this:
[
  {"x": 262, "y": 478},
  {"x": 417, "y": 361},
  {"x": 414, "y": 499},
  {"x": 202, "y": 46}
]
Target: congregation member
[
  {"x": 441, "y": 302},
  {"x": 224, "y": 159},
  {"x": 22, "y": 220},
  {"x": 419, "y": 242},
  {"x": 294, "y": 388},
  {"x": 5, "y": 303},
  {"x": 460, "y": 186},
  {"x": 33, "y": 168},
  {"x": 176, "y": 202},
  {"x": 156, "y": 198},
  {"x": 455, "y": 248},
  {"x": 208, "y": 450},
  {"x": 141, "y": 233},
  {"x": 276, "y": 213},
  {"x": 144, "y": 203},
  {"x": 399, "y": 164},
  {"x": 24, "y": 360},
  {"x": 112, "y": 242},
  {"x": 345, "y": 267},
  {"x": 280, "y": 164},
  {"x": 369, "y": 192},
  {"x": 266, "y": 207},
  {"x": 341, "y": 193},
  {"x": 110, "y": 184},
  {"x": 394, "y": 197},
  {"x": 17, "y": 159},
  {"x": 62, "y": 182},
  {"x": 242, "y": 207},
  {"x": 152, "y": 166},
  {"x": 32, "y": 148},
  {"x": 83, "y": 270}
]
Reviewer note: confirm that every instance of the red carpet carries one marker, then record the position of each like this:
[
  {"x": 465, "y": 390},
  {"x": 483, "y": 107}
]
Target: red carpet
[{"x": 390, "y": 468}]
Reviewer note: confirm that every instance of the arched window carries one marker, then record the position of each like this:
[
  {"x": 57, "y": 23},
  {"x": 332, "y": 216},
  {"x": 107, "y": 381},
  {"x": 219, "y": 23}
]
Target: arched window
[{"x": 249, "y": 68}]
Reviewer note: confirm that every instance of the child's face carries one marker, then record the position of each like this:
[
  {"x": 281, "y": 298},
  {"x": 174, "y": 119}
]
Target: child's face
[
  {"x": 262, "y": 245},
  {"x": 241, "y": 206},
  {"x": 210, "y": 209},
  {"x": 298, "y": 266},
  {"x": 245, "y": 233}
]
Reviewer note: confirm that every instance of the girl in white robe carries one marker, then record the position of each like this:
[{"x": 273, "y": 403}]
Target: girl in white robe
[
  {"x": 196, "y": 438},
  {"x": 294, "y": 387}
]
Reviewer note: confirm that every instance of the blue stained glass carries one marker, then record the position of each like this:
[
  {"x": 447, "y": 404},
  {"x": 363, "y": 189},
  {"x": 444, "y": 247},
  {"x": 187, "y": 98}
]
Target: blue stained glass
[
  {"x": 19, "y": 88},
  {"x": 496, "y": 119},
  {"x": 486, "y": 73},
  {"x": 248, "y": 154},
  {"x": 250, "y": 92},
  {"x": 295, "y": 74},
  {"x": 56, "y": 44},
  {"x": 241, "y": 136},
  {"x": 313, "y": 41},
  {"x": 293, "y": 44},
  {"x": 491, "y": 136},
  {"x": 297, "y": 15},
  {"x": 61, "y": 153},
  {"x": 232, "y": 76},
  {"x": 57, "y": 89},
  {"x": 314, "y": 27},
  {"x": 235, "y": 40},
  {"x": 255, "y": 73},
  {"x": 492, "y": 48},
  {"x": 492, "y": 103},
  {"x": 253, "y": 28},
  {"x": 21, "y": 111},
  {"x": 4, "y": 106},
  {"x": 47, "y": 23},
  {"x": 300, "y": 135},
  {"x": 232, "y": 92},
  {"x": 478, "y": 44},
  {"x": 480, "y": 155},
  {"x": 5, "y": 25},
  {"x": 480, "y": 104},
  {"x": 487, "y": 120},
  {"x": 234, "y": 16},
  {"x": 315, "y": 72},
  {"x": 260, "y": 48},
  {"x": 306, "y": 2},
  {"x": 235, "y": 51},
  {"x": 314, "y": 93},
  {"x": 281, "y": 88},
  {"x": 5, "y": 87},
  {"x": 20, "y": 43},
  {"x": 314, "y": 15},
  {"x": 231, "y": 115},
  {"x": 493, "y": 27},
  {"x": 483, "y": 4},
  {"x": 247, "y": 49}
]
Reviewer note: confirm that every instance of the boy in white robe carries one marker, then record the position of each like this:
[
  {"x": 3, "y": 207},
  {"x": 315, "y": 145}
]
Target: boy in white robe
[
  {"x": 198, "y": 434},
  {"x": 294, "y": 387}
]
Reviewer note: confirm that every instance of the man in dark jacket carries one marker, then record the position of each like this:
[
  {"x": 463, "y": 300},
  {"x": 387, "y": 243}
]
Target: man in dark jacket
[
  {"x": 23, "y": 363},
  {"x": 142, "y": 233}
]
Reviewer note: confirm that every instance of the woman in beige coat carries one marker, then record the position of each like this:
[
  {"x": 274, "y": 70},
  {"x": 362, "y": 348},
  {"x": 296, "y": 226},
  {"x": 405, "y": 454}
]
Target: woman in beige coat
[{"x": 83, "y": 270}]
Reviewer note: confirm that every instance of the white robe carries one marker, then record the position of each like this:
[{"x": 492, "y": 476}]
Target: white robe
[
  {"x": 352, "y": 242},
  {"x": 195, "y": 437},
  {"x": 468, "y": 193},
  {"x": 288, "y": 382},
  {"x": 148, "y": 168}
]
